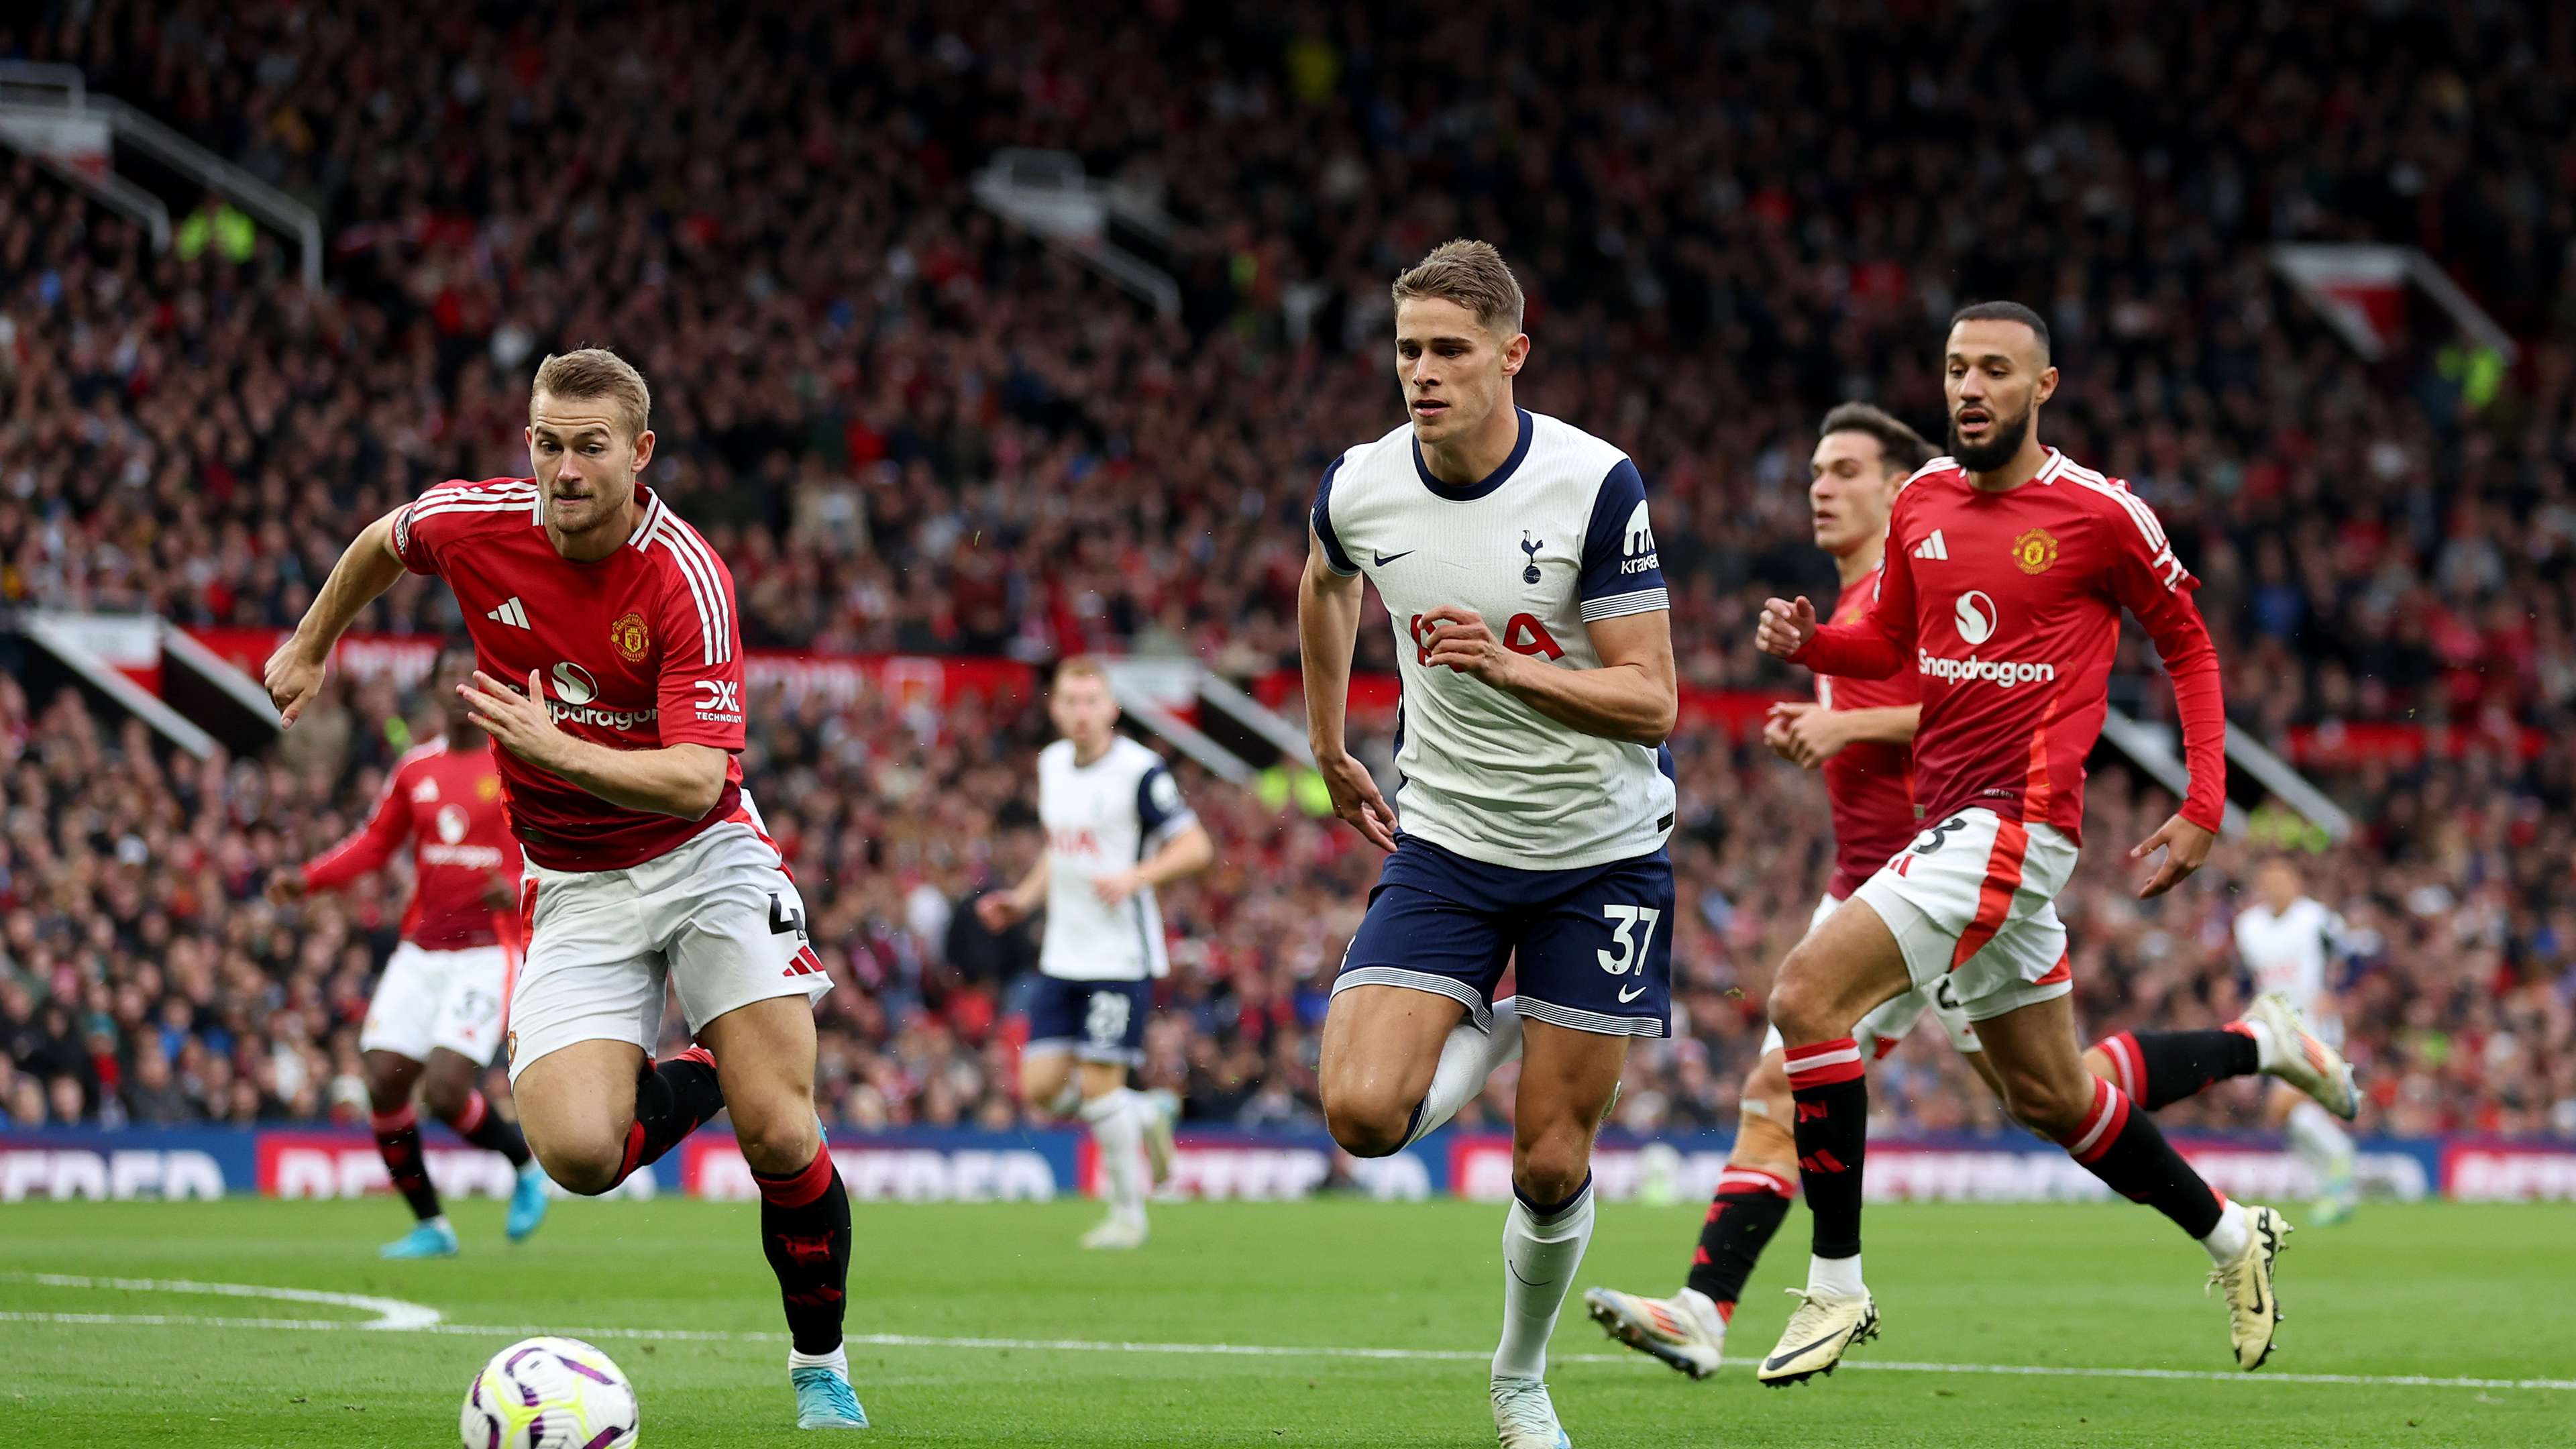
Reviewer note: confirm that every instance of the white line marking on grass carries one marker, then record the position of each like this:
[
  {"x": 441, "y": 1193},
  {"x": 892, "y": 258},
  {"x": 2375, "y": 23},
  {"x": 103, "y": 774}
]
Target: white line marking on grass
[
  {"x": 1085, "y": 1345},
  {"x": 391, "y": 1313}
]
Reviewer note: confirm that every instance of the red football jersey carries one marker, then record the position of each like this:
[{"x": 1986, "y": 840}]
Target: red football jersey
[
  {"x": 1869, "y": 785},
  {"x": 2008, "y": 604},
  {"x": 636, "y": 651},
  {"x": 448, "y": 805}
]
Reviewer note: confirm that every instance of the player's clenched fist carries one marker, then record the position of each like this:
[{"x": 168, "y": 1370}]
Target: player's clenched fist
[
  {"x": 1786, "y": 627},
  {"x": 1460, "y": 639}
]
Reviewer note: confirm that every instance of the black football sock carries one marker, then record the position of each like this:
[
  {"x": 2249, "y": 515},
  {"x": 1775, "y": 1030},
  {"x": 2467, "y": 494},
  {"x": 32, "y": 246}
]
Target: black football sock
[
  {"x": 672, "y": 1100},
  {"x": 1747, "y": 1211},
  {"x": 398, "y": 1138},
  {"x": 2124, "y": 1149},
  {"x": 805, "y": 1230},
  {"x": 2158, "y": 1068},
  {"x": 1832, "y": 1130},
  {"x": 477, "y": 1123}
]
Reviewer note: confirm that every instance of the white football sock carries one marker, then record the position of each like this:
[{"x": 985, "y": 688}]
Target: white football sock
[
  {"x": 1120, "y": 1133},
  {"x": 1539, "y": 1259},
  {"x": 1704, "y": 1308},
  {"x": 838, "y": 1360},
  {"x": 2316, "y": 1140},
  {"x": 2226, "y": 1242},
  {"x": 1467, "y": 1058},
  {"x": 1835, "y": 1277},
  {"x": 2267, "y": 1047}
]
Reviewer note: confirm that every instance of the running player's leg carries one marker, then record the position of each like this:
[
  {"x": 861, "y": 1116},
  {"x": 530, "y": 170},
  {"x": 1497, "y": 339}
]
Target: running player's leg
[
  {"x": 392, "y": 1044},
  {"x": 467, "y": 1035},
  {"x": 2321, "y": 1145},
  {"x": 1830, "y": 981},
  {"x": 2035, "y": 1052},
  {"x": 448, "y": 1090},
  {"x": 1098, "y": 1029},
  {"x": 734, "y": 925},
  {"x": 1412, "y": 1009},
  {"x": 1567, "y": 1078}
]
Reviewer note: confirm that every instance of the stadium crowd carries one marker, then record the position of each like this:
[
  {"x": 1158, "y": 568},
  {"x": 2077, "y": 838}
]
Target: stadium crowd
[{"x": 909, "y": 427}]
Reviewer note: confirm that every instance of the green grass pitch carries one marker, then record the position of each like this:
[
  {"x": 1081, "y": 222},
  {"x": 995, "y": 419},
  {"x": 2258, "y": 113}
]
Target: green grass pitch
[{"x": 2431, "y": 1291}]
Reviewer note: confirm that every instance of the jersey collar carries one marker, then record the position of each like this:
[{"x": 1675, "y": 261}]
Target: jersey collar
[
  {"x": 1490, "y": 481},
  {"x": 652, "y": 519}
]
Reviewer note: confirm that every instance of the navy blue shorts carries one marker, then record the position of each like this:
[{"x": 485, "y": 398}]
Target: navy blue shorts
[
  {"x": 1098, "y": 1021},
  {"x": 1594, "y": 946}
]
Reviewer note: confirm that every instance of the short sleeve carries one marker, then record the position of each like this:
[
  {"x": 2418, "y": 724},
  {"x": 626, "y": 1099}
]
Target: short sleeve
[
  {"x": 700, "y": 693},
  {"x": 1160, "y": 810},
  {"x": 451, "y": 511},
  {"x": 1322, "y": 517},
  {"x": 1621, "y": 571}
]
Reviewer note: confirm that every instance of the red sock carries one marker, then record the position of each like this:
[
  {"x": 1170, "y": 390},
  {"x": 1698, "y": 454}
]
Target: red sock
[
  {"x": 398, "y": 1142},
  {"x": 805, "y": 1231},
  {"x": 1832, "y": 1129}
]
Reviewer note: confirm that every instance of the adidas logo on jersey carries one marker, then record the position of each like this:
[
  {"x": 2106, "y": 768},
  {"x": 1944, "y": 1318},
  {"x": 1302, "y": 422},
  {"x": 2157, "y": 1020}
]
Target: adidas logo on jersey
[
  {"x": 510, "y": 613},
  {"x": 1933, "y": 547}
]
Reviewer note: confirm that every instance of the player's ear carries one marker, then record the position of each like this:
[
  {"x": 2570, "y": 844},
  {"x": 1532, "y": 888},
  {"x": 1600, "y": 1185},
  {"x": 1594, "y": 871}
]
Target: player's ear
[
  {"x": 1515, "y": 353},
  {"x": 2047, "y": 384},
  {"x": 643, "y": 450}
]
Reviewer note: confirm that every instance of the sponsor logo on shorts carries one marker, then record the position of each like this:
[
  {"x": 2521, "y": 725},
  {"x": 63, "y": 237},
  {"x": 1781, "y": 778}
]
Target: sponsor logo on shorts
[
  {"x": 510, "y": 1047},
  {"x": 630, "y": 636},
  {"x": 1972, "y": 670}
]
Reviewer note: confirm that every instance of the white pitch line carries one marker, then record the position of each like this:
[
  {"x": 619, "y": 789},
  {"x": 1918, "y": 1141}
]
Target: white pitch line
[
  {"x": 1265, "y": 1350},
  {"x": 391, "y": 1313}
]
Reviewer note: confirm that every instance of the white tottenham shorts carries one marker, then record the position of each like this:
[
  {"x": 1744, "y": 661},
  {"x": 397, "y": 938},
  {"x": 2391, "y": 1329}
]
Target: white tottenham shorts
[
  {"x": 429, "y": 999},
  {"x": 1889, "y": 1021},
  {"x": 1972, "y": 903},
  {"x": 718, "y": 918}
]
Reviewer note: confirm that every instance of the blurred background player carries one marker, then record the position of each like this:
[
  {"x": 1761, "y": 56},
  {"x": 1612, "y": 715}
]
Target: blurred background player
[
  {"x": 1517, "y": 563},
  {"x": 1116, "y": 830},
  {"x": 2007, "y": 570},
  {"x": 435, "y": 1020},
  {"x": 2287, "y": 940},
  {"x": 1859, "y": 733},
  {"x": 609, "y": 669}
]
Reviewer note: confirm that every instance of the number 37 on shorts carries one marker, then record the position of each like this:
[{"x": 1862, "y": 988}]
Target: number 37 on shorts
[{"x": 1589, "y": 949}]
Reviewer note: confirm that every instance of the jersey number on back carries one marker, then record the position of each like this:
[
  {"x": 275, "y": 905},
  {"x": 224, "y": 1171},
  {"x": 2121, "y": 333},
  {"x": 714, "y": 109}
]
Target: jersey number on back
[{"x": 1524, "y": 634}]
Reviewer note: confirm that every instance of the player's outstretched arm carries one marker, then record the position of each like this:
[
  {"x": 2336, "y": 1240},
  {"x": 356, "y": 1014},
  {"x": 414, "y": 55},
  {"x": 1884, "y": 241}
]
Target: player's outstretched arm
[
  {"x": 1631, "y": 697},
  {"x": 1188, "y": 852},
  {"x": 684, "y": 780},
  {"x": 369, "y": 567},
  {"x": 367, "y": 848},
  {"x": 1328, "y": 626}
]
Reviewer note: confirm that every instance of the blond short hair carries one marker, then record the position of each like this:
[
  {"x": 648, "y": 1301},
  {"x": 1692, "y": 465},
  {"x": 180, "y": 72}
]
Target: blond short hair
[
  {"x": 595, "y": 372},
  {"x": 1081, "y": 666},
  {"x": 1471, "y": 274}
]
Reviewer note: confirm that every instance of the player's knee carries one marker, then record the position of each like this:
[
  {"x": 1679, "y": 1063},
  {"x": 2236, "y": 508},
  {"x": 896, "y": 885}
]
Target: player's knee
[
  {"x": 388, "y": 1087},
  {"x": 1366, "y": 1125},
  {"x": 1549, "y": 1167},
  {"x": 2046, "y": 1104},
  {"x": 779, "y": 1142},
  {"x": 1803, "y": 1004},
  {"x": 1768, "y": 1084},
  {"x": 588, "y": 1168},
  {"x": 445, "y": 1096}
]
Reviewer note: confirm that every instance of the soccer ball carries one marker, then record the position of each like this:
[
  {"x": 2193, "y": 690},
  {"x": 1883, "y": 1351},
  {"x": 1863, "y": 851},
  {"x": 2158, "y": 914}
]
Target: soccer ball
[{"x": 550, "y": 1393}]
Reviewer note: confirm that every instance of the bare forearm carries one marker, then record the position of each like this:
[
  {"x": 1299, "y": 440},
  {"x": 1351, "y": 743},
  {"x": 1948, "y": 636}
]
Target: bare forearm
[
  {"x": 1184, "y": 855},
  {"x": 1328, "y": 626},
  {"x": 1890, "y": 725},
  {"x": 362, "y": 575},
  {"x": 1031, "y": 892},
  {"x": 1616, "y": 702},
  {"x": 682, "y": 780}
]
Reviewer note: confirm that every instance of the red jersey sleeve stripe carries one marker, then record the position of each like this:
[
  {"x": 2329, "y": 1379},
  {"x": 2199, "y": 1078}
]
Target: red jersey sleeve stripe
[
  {"x": 2136, "y": 507},
  {"x": 704, "y": 592}
]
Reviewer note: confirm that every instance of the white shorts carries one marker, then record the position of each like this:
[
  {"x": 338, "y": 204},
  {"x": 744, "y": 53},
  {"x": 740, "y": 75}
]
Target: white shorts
[
  {"x": 1972, "y": 903},
  {"x": 718, "y": 918},
  {"x": 429, "y": 999},
  {"x": 1890, "y": 1021}
]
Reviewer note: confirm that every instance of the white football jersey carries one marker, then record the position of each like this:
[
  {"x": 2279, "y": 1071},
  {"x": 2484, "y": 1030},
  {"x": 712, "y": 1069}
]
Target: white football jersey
[
  {"x": 2289, "y": 952},
  {"x": 1102, "y": 817},
  {"x": 1555, "y": 538}
]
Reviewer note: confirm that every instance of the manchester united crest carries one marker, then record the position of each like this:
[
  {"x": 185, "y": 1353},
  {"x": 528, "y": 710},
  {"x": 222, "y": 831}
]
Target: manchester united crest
[
  {"x": 2035, "y": 551},
  {"x": 632, "y": 638}
]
